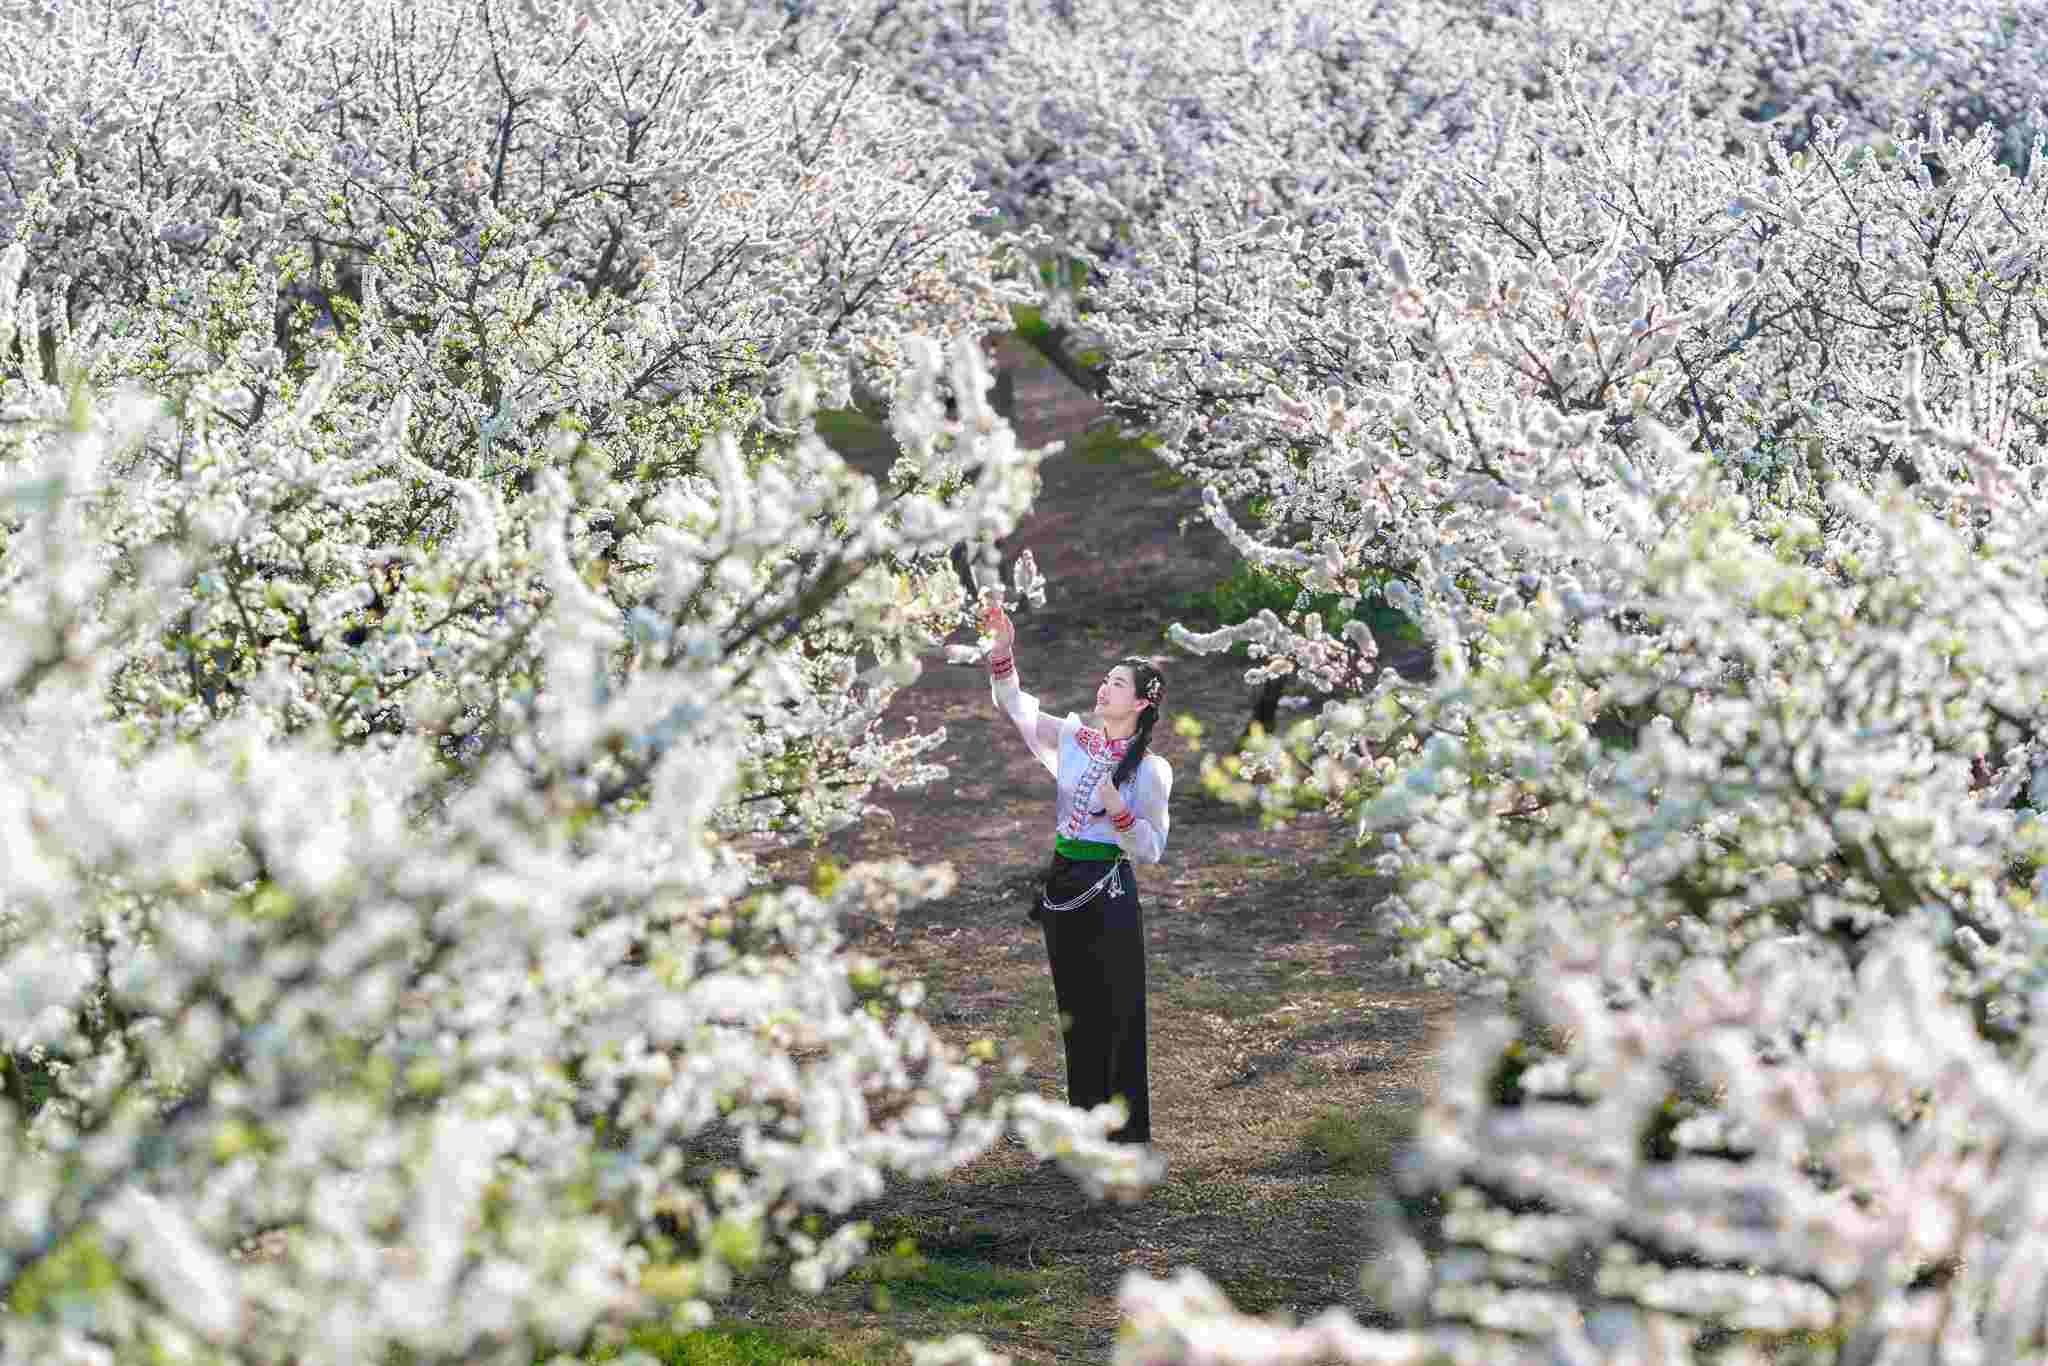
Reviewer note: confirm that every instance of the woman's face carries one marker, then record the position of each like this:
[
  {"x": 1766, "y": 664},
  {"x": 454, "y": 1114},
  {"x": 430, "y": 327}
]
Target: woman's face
[{"x": 1116, "y": 696}]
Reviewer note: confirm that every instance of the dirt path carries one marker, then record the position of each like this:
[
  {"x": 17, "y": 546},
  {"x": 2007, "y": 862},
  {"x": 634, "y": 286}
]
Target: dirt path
[{"x": 1277, "y": 1021}]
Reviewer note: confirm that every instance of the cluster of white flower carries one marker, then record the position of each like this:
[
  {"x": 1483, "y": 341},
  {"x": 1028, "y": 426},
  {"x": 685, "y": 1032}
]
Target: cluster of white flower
[
  {"x": 1677, "y": 369},
  {"x": 417, "y": 565},
  {"x": 1645, "y": 1191}
]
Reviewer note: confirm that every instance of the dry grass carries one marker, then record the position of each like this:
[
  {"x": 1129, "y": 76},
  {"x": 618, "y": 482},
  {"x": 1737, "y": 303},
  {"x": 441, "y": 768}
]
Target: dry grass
[{"x": 1286, "y": 1070}]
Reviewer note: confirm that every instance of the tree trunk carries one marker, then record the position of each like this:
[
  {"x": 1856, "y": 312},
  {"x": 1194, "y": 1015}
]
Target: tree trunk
[{"x": 1265, "y": 708}]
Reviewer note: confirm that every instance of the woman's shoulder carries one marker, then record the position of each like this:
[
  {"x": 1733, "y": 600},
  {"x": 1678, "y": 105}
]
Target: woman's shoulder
[{"x": 1159, "y": 767}]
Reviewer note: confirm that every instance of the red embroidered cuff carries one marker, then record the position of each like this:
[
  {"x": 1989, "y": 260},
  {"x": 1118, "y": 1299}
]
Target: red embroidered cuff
[
  {"x": 1001, "y": 666},
  {"x": 1124, "y": 820}
]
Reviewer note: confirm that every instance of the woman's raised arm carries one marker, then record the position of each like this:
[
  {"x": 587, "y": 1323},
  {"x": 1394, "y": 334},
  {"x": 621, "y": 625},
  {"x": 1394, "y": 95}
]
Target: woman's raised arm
[{"x": 1041, "y": 733}]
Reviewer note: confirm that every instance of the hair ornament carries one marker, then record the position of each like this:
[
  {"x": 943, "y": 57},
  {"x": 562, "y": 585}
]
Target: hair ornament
[{"x": 1152, "y": 689}]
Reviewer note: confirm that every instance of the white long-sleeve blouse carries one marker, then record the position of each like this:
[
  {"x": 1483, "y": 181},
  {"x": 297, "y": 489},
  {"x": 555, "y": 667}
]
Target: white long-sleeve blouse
[{"x": 1077, "y": 756}]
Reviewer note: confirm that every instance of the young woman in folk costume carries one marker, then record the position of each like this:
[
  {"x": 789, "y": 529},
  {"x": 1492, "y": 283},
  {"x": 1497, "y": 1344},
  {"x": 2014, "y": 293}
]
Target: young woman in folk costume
[{"x": 1111, "y": 813}]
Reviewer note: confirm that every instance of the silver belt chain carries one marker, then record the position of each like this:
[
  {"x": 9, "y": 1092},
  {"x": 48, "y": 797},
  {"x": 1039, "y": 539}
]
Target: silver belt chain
[{"x": 1113, "y": 880}]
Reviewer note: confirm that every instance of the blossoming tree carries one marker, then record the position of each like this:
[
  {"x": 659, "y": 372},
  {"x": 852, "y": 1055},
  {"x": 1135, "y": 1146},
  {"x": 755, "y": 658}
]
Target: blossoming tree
[
  {"x": 417, "y": 570},
  {"x": 417, "y": 565},
  {"x": 1677, "y": 368}
]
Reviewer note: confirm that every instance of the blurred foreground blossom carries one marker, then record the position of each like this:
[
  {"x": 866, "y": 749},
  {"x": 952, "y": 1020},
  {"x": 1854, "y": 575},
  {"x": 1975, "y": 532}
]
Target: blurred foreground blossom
[{"x": 417, "y": 599}]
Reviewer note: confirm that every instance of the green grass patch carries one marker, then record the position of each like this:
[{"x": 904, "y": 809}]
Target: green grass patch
[
  {"x": 745, "y": 1346},
  {"x": 963, "y": 1289},
  {"x": 25, "y": 1081},
  {"x": 1106, "y": 445},
  {"x": 1250, "y": 589},
  {"x": 1253, "y": 1291},
  {"x": 1028, "y": 320},
  {"x": 853, "y": 433},
  {"x": 1309, "y": 1073},
  {"x": 1020, "y": 1022},
  {"x": 1233, "y": 1001},
  {"x": 1360, "y": 1144},
  {"x": 1243, "y": 858},
  {"x": 1036, "y": 996},
  {"x": 948, "y": 1280},
  {"x": 1029, "y": 323}
]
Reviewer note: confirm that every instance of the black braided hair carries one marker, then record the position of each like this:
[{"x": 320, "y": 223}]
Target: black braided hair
[{"x": 1150, "y": 686}]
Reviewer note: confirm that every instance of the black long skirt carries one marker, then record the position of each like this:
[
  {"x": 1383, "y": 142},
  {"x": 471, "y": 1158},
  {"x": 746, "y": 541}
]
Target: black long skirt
[{"x": 1097, "y": 951}]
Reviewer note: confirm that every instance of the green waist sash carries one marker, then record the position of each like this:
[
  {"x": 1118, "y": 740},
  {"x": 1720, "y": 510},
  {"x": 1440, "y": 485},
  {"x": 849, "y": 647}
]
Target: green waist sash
[{"x": 1085, "y": 849}]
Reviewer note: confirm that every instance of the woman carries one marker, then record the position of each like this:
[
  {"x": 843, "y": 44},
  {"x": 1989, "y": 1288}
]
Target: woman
[{"x": 1111, "y": 813}]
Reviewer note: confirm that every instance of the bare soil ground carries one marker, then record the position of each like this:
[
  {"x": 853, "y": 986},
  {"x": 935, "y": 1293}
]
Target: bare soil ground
[{"x": 1285, "y": 1047}]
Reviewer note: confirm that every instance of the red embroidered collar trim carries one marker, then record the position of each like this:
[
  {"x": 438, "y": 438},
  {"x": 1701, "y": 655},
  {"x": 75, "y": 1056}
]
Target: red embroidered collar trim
[{"x": 1100, "y": 745}]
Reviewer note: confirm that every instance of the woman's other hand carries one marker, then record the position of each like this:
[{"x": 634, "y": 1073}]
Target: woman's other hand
[{"x": 1107, "y": 797}]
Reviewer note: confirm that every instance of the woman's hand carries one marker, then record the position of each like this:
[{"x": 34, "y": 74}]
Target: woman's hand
[
  {"x": 996, "y": 622},
  {"x": 1107, "y": 797}
]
